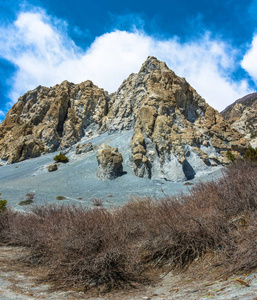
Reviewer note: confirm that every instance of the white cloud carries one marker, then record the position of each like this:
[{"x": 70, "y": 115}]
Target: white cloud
[
  {"x": 249, "y": 62},
  {"x": 44, "y": 54},
  {"x": 207, "y": 65}
]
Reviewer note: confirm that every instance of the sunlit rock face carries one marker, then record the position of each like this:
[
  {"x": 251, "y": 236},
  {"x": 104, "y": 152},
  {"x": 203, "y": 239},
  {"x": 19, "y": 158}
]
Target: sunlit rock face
[
  {"x": 53, "y": 118},
  {"x": 176, "y": 133},
  {"x": 242, "y": 115}
]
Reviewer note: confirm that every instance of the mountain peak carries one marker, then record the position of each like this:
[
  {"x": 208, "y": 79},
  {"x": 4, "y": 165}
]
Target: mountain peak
[
  {"x": 175, "y": 132},
  {"x": 152, "y": 63}
]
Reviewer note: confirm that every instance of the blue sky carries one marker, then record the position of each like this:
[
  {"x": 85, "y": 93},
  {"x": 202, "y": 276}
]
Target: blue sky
[{"x": 213, "y": 44}]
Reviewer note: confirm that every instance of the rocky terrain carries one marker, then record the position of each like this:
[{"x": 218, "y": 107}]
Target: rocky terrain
[
  {"x": 77, "y": 181},
  {"x": 46, "y": 119},
  {"x": 157, "y": 127},
  {"x": 242, "y": 115},
  {"x": 175, "y": 132}
]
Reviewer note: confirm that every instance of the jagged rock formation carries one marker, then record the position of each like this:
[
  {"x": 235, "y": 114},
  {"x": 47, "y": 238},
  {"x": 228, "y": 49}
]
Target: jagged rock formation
[
  {"x": 48, "y": 118},
  {"x": 176, "y": 132},
  {"x": 242, "y": 115},
  {"x": 109, "y": 162}
]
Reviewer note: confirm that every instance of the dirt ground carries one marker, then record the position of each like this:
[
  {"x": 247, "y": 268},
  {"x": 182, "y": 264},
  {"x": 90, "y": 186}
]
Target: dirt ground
[{"x": 20, "y": 282}]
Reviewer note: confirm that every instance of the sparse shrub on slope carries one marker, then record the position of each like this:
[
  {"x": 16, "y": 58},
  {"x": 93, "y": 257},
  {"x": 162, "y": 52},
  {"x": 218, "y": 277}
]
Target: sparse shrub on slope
[
  {"x": 3, "y": 218},
  {"x": 230, "y": 155},
  {"x": 3, "y": 204},
  {"x": 110, "y": 248},
  {"x": 61, "y": 158},
  {"x": 251, "y": 154}
]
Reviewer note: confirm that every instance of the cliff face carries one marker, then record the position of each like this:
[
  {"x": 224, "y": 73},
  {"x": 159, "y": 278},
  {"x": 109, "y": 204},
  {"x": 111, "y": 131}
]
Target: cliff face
[
  {"x": 48, "y": 118},
  {"x": 242, "y": 115},
  {"x": 174, "y": 128}
]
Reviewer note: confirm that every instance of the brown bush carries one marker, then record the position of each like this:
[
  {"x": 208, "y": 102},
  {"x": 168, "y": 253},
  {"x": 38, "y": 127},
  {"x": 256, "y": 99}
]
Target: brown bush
[
  {"x": 110, "y": 248},
  {"x": 77, "y": 244}
]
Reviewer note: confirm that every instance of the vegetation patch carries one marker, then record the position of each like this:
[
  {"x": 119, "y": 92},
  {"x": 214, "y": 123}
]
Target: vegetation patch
[
  {"x": 97, "y": 202},
  {"x": 188, "y": 183},
  {"x": 110, "y": 249},
  {"x": 3, "y": 204},
  {"x": 230, "y": 155},
  {"x": 29, "y": 199},
  {"x": 251, "y": 154},
  {"x": 60, "y": 197},
  {"x": 26, "y": 202},
  {"x": 61, "y": 158}
]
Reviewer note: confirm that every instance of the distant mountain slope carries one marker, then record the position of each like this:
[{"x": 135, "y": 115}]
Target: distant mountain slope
[
  {"x": 242, "y": 115},
  {"x": 176, "y": 132}
]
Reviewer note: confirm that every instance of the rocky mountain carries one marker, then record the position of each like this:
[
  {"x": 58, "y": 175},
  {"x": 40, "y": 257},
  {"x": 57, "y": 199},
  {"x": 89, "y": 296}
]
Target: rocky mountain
[
  {"x": 242, "y": 115},
  {"x": 46, "y": 119},
  {"x": 175, "y": 134}
]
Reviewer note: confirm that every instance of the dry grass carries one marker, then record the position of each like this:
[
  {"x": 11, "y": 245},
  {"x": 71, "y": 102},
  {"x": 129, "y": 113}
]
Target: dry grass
[
  {"x": 97, "y": 202},
  {"x": 109, "y": 249}
]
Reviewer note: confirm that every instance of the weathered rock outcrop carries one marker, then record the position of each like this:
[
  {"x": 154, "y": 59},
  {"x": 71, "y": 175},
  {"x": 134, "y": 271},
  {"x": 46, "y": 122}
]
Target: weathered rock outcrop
[
  {"x": 23, "y": 147},
  {"x": 176, "y": 132},
  {"x": 84, "y": 148},
  {"x": 242, "y": 115},
  {"x": 48, "y": 118},
  {"x": 109, "y": 162}
]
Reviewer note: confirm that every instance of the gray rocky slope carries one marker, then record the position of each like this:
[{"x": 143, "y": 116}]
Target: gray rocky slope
[
  {"x": 174, "y": 132},
  {"x": 77, "y": 180}
]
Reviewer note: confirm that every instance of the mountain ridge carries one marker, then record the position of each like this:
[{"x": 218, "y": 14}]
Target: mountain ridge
[{"x": 175, "y": 130}]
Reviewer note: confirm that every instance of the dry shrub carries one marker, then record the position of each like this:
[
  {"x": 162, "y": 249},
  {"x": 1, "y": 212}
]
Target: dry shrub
[
  {"x": 4, "y": 225},
  {"x": 111, "y": 248},
  {"x": 97, "y": 202},
  {"x": 78, "y": 245},
  {"x": 178, "y": 235}
]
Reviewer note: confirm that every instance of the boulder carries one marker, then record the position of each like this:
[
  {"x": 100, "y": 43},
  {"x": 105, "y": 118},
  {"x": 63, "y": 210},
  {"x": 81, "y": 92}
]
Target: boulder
[
  {"x": 53, "y": 167},
  {"x": 109, "y": 162}
]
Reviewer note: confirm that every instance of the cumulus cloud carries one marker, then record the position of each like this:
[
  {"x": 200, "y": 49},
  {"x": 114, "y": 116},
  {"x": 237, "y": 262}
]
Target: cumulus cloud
[
  {"x": 44, "y": 54},
  {"x": 249, "y": 62},
  {"x": 207, "y": 65}
]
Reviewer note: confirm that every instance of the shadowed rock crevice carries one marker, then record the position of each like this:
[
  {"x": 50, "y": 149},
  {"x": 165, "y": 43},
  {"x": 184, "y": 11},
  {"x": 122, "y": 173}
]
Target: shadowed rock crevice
[
  {"x": 63, "y": 114},
  {"x": 188, "y": 170}
]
